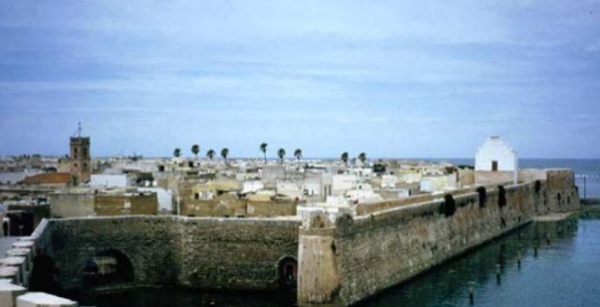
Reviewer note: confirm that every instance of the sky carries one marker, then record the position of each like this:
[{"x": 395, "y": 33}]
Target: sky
[{"x": 393, "y": 79}]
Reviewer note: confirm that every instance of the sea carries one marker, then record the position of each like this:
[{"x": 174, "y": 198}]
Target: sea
[{"x": 540, "y": 264}]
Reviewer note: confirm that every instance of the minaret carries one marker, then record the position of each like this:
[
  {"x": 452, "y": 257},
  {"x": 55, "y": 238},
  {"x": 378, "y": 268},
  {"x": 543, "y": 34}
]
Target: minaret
[{"x": 80, "y": 158}]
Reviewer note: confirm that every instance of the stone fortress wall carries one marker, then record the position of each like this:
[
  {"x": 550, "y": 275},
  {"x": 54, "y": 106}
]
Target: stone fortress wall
[
  {"x": 350, "y": 259},
  {"x": 340, "y": 261},
  {"x": 168, "y": 250}
]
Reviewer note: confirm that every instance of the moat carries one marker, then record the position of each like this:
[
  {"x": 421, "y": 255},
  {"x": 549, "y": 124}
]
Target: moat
[{"x": 540, "y": 264}]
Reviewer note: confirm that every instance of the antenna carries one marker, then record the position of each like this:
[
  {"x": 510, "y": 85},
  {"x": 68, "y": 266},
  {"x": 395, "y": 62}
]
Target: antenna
[{"x": 78, "y": 131}]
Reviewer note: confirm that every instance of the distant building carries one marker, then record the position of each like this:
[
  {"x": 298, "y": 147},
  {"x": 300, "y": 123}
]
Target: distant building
[
  {"x": 81, "y": 163},
  {"x": 109, "y": 180},
  {"x": 496, "y": 161},
  {"x": 56, "y": 180}
]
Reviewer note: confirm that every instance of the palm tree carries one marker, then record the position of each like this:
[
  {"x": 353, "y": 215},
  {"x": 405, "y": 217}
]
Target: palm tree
[
  {"x": 263, "y": 148},
  {"x": 362, "y": 157},
  {"x": 298, "y": 154},
  {"x": 177, "y": 152},
  {"x": 196, "y": 150},
  {"x": 210, "y": 154},
  {"x": 281, "y": 154},
  {"x": 344, "y": 158},
  {"x": 225, "y": 153}
]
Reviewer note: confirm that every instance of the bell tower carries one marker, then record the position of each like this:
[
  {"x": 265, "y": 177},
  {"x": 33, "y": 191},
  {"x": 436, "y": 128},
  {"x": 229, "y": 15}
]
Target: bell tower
[{"x": 81, "y": 165}]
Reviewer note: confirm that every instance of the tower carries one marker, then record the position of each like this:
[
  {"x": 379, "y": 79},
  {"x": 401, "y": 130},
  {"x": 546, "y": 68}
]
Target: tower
[{"x": 80, "y": 158}]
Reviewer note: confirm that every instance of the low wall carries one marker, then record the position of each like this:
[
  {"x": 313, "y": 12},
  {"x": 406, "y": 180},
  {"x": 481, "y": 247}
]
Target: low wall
[
  {"x": 170, "y": 250},
  {"x": 486, "y": 177},
  {"x": 71, "y": 204},
  {"x": 137, "y": 204},
  {"x": 235, "y": 207},
  {"x": 355, "y": 257}
]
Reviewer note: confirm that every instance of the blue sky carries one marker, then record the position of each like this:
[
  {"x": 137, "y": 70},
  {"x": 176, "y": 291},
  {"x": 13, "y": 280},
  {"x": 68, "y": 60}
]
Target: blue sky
[{"x": 390, "y": 78}]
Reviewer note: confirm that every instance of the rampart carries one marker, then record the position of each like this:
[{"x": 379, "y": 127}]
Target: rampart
[
  {"x": 230, "y": 206},
  {"x": 168, "y": 250},
  {"x": 352, "y": 258},
  {"x": 339, "y": 261}
]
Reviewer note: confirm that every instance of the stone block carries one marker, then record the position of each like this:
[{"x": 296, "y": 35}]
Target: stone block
[
  {"x": 9, "y": 272},
  {"x": 9, "y": 293},
  {"x": 41, "y": 299},
  {"x": 19, "y": 263},
  {"x": 23, "y": 244}
]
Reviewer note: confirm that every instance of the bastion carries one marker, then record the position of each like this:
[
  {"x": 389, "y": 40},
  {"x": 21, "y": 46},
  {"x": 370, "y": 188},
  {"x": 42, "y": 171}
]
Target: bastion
[{"x": 330, "y": 259}]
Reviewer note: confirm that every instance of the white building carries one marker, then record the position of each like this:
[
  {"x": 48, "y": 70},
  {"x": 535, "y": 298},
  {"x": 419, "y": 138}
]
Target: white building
[
  {"x": 252, "y": 186},
  {"x": 497, "y": 156},
  {"x": 110, "y": 180},
  {"x": 343, "y": 182},
  {"x": 389, "y": 181}
]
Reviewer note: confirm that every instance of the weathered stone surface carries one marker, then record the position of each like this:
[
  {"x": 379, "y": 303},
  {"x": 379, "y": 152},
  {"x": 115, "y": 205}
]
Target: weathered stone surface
[
  {"x": 340, "y": 262},
  {"x": 381, "y": 249},
  {"x": 199, "y": 252},
  {"x": 9, "y": 294},
  {"x": 40, "y": 299}
]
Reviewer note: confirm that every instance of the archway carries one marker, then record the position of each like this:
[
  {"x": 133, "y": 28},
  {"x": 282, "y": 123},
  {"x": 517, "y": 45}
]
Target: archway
[
  {"x": 108, "y": 267},
  {"x": 44, "y": 274},
  {"x": 288, "y": 272}
]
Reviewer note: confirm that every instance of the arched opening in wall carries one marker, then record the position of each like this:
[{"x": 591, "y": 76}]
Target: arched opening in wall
[
  {"x": 21, "y": 223},
  {"x": 501, "y": 196},
  {"x": 558, "y": 198},
  {"x": 482, "y": 196},
  {"x": 288, "y": 272},
  {"x": 537, "y": 186},
  {"x": 44, "y": 274},
  {"x": 449, "y": 206},
  {"x": 106, "y": 268}
]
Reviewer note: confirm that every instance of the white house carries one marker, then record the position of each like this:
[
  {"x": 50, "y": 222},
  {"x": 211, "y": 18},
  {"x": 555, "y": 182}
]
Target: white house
[
  {"x": 497, "y": 156},
  {"x": 109, "y": 180},
  {"x": 343, "y": 182}
]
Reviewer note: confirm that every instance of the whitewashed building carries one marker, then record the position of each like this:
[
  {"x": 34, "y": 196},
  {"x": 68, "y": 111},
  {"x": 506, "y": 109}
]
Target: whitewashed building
[
  {"x": 497, "y": 156},
  {"x": 110, "y": 180}
]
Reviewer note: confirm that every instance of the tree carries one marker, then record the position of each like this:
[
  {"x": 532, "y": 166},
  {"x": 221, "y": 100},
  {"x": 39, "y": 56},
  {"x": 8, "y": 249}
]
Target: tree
[
  {"x": 281, "y": 154},
  {"x": 362, "y": 157},
  {"x": 344, "y": 158},
  {"x": 177, "y": 152},
  {"x": 298, "y": 154},
  {"x": 225, "y": 153},
  {"x": 263, "y": 148},
  {"x": 210, "y": 154},
  {"x": 196, "y": 150}
]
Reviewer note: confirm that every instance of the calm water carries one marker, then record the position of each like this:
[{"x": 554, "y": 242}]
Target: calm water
[{"x": 173, "y": 297}]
